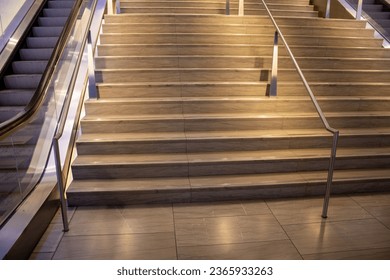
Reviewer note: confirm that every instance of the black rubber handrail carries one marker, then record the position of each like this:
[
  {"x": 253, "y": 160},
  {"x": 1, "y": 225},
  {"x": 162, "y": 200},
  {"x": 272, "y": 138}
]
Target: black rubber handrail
[{"x": 23, "y": 117}]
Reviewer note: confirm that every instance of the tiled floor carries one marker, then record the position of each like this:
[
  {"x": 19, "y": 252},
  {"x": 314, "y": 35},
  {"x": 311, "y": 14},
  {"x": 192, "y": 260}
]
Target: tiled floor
[{"x": 358, "y": 227}]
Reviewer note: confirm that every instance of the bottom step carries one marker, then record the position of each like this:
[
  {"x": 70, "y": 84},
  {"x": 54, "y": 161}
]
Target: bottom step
[{"x": 210, "y": 188}]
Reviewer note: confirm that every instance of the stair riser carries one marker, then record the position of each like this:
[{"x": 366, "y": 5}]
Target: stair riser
[
  {"x": 239, "y": 75},
  {"x": 226, "y": 90},
  {"x": 246, "y": 50},
  {"x": 229, "y": 124},
  {"x": 233, "y": 39},
  {"x": 234, "y": 62},
  {"x": 10, "y": 151},
  {"x": 233, "y": 29},
  {"x": 218, "y": 106},
  {"x": 226, "y": 144},
  {"x": 216, "y": 11},
  {"x": 213, "y": 4},
  {"x": 301, "y": 22},
  {"x": 232, "y": 107},
  {"x": 219, "y": 168},
  {"x": 199, "y": 194}
]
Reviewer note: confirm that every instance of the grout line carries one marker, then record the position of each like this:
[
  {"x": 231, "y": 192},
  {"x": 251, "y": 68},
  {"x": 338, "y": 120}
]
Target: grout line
[
  {"x": 289, "y": 238},
  {"x": 174, "y": 231}
]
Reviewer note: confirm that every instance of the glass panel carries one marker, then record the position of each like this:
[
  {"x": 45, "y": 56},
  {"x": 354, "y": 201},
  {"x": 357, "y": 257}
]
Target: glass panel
[{"x": 24, "y": 155}]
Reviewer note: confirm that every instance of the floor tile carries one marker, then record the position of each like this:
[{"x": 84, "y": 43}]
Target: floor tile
[
  {"x": 255, "y": 207},
  {"x": 338, "y": 236},
  {"x": 98, "y": 220},
  {"x": 155, "y": 246},
  {"x": 149, "y": 218},
  {"x": 227, "y": 230},
  {"x": 207, "y": 210},
  {"x": 373, "y": 199},
  {"x": 50, "y": 239},
  {"x": 370, "y": 254},
  {"x": 270, "y": 250},
  {"x": 41, "y": 256},
  {"x": 309, "y": 210}
]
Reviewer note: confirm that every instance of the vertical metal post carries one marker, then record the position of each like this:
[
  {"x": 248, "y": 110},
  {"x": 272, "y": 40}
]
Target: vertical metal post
[
  {"x": 227, "y": 9},
  {"x": 110, "y": 8},
  {"x": 60, "y": 183},
  {"x": 274, "y": 72},
  {"x": 359, "y": 10},
  {"x": 240, "y": 7},
  {"x": 93, "y": 93},
  {"x": 327, "y": 12},
  {"x": 330, "y": 175},
  {"x": 118, "y": 6}
]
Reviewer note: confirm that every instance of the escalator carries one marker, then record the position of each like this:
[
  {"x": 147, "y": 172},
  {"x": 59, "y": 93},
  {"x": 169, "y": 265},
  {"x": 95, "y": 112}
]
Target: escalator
[{"x": 40, "y": 69}]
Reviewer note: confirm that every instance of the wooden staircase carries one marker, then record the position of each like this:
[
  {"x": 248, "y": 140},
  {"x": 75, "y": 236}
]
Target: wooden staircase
[{"x": 183, "y": 113}]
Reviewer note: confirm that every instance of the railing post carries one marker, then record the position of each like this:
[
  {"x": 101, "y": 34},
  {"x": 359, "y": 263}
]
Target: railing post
[
  {"x": 227, "y": 9},
  {"x": 274, "y": 72},
  {"x": 93, "y": 93},
  {"x": 60, "y": 183},
  {"x": 330, "y": 175},
  {"x": 359, "y": 10},
  {"x": 327, "y": 12},
  {"x": 240, "y": 7}
]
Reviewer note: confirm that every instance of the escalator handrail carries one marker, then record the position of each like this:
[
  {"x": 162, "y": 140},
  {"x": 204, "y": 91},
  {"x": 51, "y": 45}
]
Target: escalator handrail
[{"x": 23, "y": 117}]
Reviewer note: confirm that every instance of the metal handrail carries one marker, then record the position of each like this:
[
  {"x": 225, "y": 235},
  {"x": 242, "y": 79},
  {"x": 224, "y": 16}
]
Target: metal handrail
[
  {"x": 324, "y": 121},
  {"x": 29, "y": 111},
  {"x": 62, "y": 173}
]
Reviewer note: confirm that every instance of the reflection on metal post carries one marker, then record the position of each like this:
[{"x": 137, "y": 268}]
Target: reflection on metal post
[
  {"x": 61, "y": 187},
  {"x": 330, "y": 175},
  {"x": 109, "y": 7},
  {"x": 359, "y": 10},
  {"x": 227, "y": 9},
  {"x": 241, "y": 7},
  {"x": 274, "y": 72},
  {"x": 91, "y": 69},
  {"x": 327, "y": 12}
]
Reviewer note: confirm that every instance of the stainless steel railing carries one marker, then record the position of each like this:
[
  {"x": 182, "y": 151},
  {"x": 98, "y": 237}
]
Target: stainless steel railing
[{"x": 273, "y": 92}]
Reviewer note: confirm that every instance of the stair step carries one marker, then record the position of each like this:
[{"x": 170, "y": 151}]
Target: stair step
[
  {"x": 52, "y": 21},
  {"x": 236, "y": 74},
  {"x": 211, "y": 188},
  {"x": 239, "y": 49},
  {"x": 223, "y": 163},
  {"x": 47, "y": 31},
  {"x": 56, "y": 12},
  {"x": 41, "y": 42},
  {"x": 233, "y": 28},
  {"x": 225, "y": 61},
  {"x": 226, "y": 89},
  {"x": 60, "y": 4},
  {"x": 219, "y": 122},
  {"x": 218, "y": 38},
  {"x": 232, "y": 19},
  {"x": 35, "y": 54},
  {"x": 214, "y": 10},
  {"x": 22, "y": 81},
  {"x": 15, "y": 97},
  {"x": 29, "y": 67}
]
